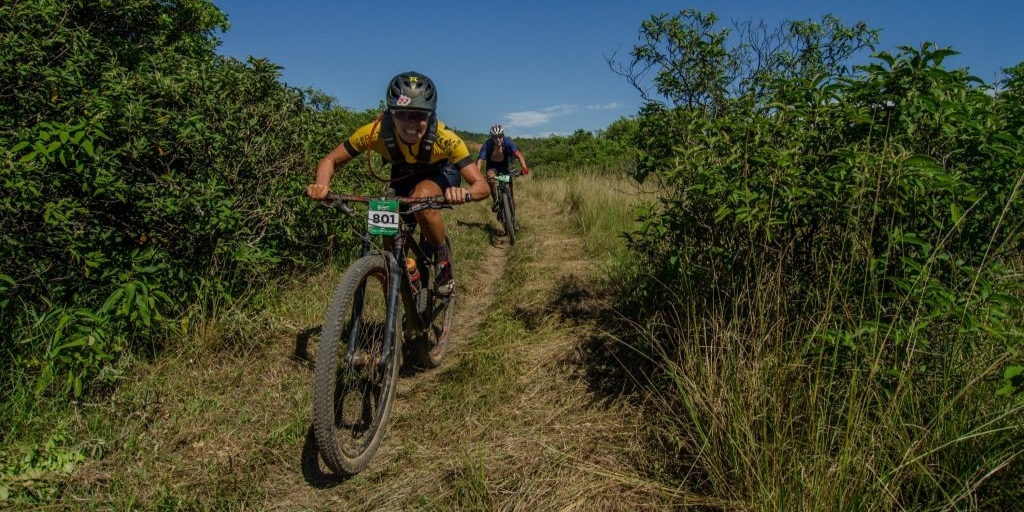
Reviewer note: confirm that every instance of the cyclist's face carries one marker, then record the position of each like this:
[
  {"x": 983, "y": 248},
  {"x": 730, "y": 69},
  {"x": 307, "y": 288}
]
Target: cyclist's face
[{"x": 411, "y": 125}]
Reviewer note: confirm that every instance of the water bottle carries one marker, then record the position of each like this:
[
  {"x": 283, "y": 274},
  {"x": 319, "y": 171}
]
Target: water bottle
[{"x": 414, "y": 274}]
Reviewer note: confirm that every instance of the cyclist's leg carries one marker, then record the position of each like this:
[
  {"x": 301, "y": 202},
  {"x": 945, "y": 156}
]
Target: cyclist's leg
[
  {"x": 433, "y": 230},
  {"x": 491, "y": 173},
  {"x": 404, "y": 187},
  {"x": 430, "y": 220}
]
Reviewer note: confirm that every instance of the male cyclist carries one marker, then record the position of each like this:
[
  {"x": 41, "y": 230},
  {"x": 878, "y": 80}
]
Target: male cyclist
[
  {"x": 496, "y": 153},
  {"x": 427, "y": 159}
]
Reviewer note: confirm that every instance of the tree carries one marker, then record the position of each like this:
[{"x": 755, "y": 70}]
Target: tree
[{"x": 694, "y": 66}]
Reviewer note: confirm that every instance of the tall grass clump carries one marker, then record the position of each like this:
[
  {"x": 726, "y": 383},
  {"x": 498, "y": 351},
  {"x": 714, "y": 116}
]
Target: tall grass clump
[
  {"x": 829, "y": 288},
  {"x": 600, "y": 205}
]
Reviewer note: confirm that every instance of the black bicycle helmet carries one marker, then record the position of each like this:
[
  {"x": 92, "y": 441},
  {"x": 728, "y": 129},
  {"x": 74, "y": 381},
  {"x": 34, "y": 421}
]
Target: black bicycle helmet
[{"x": 413, "y": 91}]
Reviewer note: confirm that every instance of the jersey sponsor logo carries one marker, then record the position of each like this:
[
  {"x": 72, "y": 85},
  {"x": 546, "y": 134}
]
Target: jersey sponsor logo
[
  {"x": 362, "y": 142},
  {"x": 447, "y": 145}
]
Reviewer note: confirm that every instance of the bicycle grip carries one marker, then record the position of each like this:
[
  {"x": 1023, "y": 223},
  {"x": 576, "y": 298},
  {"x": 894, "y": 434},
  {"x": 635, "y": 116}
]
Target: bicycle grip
[{"x": 442, "y": 199}]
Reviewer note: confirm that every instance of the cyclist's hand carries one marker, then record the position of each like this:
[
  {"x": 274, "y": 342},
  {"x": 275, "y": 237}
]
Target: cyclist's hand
[
  {"x": 317, "y": 191},
  {"x": 525, "y": 171},
  {"x": 456, "y": 195}
]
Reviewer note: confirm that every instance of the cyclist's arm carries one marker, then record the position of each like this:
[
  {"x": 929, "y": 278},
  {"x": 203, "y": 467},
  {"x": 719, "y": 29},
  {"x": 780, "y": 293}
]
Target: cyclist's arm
[
  {"x": 522, "y": 161},
  {"x": 481, "y": 158},
  {"x": 325, "y": 170},
  {"x": 478, "y": 187},
  {"x": 514, "y": 149}
]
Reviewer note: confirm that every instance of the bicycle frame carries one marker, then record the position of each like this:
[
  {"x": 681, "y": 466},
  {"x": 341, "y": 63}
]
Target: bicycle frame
[
  {"x": 505, "y": 184},
  {"x": 399, "y": 286},
  {"x": 505, "y": 187},
  {"x": 354, "y": 386}
]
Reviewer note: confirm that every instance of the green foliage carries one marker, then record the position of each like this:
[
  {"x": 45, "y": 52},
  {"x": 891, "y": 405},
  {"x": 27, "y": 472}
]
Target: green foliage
[
  {"x": 142, "y": 173},
  {"x": 34, "y": 479},
  {"x": 694, "y": 66},
  {"x": 608, "y": 150},
  {"x": 898, "y": 186},
  {"x": 881, "y": 210}
]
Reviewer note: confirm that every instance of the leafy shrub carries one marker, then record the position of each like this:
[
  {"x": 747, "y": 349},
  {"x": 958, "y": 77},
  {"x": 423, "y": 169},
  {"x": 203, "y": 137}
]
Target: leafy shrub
[
  {"x": 143, "y": 174},
  {"x": 864, "y": 226}
]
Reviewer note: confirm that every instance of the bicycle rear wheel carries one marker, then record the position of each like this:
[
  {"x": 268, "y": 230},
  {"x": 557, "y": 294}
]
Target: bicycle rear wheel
[
  {"x": 437, "y": 310},
  {"x": 356, "y": 368},
  {"x": 506, "y": 218}
]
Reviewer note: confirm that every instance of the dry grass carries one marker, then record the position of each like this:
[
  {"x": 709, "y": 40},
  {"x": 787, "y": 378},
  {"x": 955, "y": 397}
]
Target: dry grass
[{"x": 508, "y": 422}]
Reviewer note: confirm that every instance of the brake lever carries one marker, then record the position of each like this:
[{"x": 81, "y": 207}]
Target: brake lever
[{"x": 335, "y": 201}]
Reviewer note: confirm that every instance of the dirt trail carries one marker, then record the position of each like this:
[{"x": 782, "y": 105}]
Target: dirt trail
[
  {"x": 550, "y": 444},
  {"x": 532, "y": 436}
]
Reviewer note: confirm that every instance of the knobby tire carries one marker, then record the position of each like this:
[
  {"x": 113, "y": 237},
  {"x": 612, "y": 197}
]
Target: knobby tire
[
  {"x": 506, "y": 218},
  {"x": 352, "y": 402}
]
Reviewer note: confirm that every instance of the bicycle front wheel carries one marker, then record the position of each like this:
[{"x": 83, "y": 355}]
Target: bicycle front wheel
[
  {"x": 356, "y": 368},
  {"x": 507, "y": 219}
]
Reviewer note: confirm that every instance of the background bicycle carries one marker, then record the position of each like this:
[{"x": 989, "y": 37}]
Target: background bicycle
[
  {"x": 506, "y": 205},
  {"x": 386, "y": 296}
]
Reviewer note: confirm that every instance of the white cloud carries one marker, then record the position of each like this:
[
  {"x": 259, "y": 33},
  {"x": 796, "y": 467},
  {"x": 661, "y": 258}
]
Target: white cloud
[
  {"x": 535, "y": 123},
  {"x": 538, "y": 117},
  {"x": 607, "y": 106}
]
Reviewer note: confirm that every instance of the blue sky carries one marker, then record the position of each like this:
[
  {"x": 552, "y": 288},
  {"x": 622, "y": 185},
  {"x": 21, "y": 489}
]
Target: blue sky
[{"x": 539, "y": 66}]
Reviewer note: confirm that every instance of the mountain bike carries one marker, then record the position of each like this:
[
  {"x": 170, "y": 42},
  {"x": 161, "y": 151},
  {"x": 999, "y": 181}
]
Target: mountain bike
[
  {"x": 378, "y": 301},
  {"x": 505, "y": 199}
]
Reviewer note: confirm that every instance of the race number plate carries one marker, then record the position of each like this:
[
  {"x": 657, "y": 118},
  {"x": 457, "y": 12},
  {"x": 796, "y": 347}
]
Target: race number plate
[
  {"x": 382, "y": 217},
  {"x": 504, "y": 178}
]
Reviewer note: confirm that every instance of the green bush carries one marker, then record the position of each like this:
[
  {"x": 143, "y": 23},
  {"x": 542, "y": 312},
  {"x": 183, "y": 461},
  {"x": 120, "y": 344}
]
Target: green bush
[
  {"x": 864, "y": 226},
  {"x": 896, "y": 187},
  {"x": 608, "y": 150},
  {"x": 143, "y": 174}
]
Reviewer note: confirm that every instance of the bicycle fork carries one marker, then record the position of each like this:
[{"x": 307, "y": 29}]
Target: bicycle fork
[{"x": 352, "y": 355}]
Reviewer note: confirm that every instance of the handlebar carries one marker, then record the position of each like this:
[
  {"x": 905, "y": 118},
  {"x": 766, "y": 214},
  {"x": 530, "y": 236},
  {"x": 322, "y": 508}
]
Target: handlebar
[
  {"x": 340, "y": 201},
  {"x": 515, "y": 173}
]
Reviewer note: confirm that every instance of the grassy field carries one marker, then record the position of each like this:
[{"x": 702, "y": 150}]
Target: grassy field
[
  {"x": 512, "y": 420},
  {"x": 550, "y": 399}
]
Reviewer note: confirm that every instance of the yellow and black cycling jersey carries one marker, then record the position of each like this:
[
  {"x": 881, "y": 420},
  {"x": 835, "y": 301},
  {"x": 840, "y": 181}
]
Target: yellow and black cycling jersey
[{"x": 449, "y": 148}]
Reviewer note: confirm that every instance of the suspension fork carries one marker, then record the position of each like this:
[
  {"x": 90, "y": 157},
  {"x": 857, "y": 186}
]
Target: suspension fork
[
  {"x": 355, "y": 320},
  {"x": 505, "y": 189},
  {"x": 396, "y": 273}
]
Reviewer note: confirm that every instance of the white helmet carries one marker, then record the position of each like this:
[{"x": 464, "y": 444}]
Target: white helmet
[{"x": 497, "y": 130}]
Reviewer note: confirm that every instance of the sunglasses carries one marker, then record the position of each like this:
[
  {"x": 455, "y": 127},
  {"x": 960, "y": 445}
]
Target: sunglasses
[{"x": 417, "y": 116}]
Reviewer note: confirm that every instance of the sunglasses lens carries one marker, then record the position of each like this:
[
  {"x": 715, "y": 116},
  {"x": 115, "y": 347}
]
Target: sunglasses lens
[{"x": 410, "y": 115}]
